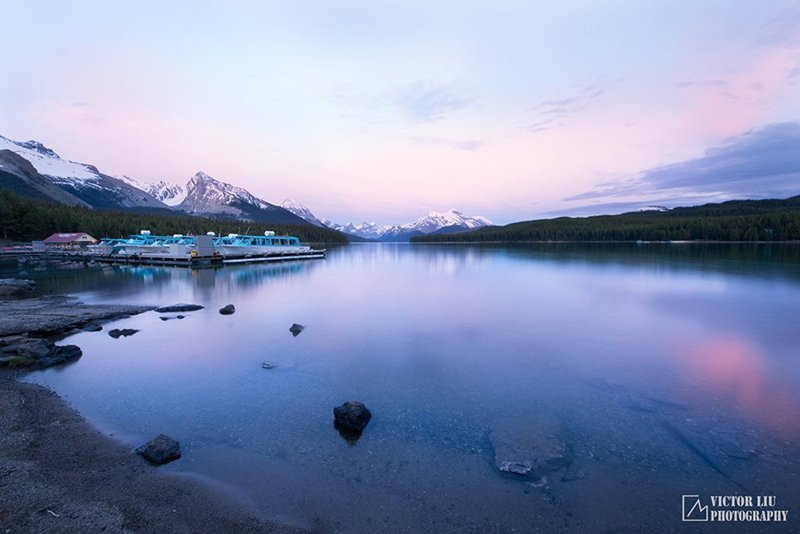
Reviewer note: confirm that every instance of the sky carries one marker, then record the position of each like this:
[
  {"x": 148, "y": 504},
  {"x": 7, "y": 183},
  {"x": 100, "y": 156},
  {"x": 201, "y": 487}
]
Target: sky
[{"x": 383, "y": 110}]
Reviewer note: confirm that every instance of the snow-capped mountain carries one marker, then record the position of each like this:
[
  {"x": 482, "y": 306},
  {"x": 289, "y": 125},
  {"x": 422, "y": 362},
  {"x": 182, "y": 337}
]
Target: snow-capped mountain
[
  {"x": 301, "y": 211},
  {"x": 433, "y": 222},
  {"x": 18, "y": 175},
  {"x": 367, "y": 230},
  {"x": 210, "y": 197},
  {"x": 168, "y": 193},
  {"x": 80, "y": 179}
]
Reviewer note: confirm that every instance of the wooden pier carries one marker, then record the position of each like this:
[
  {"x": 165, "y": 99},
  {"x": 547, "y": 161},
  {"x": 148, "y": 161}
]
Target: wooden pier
[{"x": 165, "y": 259}]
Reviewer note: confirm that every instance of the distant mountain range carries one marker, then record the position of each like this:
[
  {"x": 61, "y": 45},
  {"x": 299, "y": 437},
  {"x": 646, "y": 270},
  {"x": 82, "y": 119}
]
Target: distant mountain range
[
  {"x": 35, "y": 171},
  {"x": 433, "y": 223}
]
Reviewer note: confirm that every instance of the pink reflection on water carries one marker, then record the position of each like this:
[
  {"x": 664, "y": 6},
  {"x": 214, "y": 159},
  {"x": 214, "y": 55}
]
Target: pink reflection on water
[{"x": 735, "y": 375}]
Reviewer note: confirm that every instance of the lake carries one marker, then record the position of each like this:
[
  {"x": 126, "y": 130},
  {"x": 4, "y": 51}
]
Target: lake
[{"x": 662, "y": 370}]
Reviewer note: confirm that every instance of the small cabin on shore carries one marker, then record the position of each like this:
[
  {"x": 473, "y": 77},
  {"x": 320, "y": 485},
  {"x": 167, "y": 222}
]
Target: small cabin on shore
[{"x": 69, "y": 241}]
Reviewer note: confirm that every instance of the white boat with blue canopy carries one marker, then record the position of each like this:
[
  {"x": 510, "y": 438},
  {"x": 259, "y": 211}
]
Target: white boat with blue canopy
[
  {"x": 231, "y": 248},
  {"x": 269, "y": 243}
]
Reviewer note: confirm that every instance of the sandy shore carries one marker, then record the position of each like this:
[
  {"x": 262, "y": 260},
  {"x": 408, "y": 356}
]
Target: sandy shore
[{"x": 60, "y": 474}]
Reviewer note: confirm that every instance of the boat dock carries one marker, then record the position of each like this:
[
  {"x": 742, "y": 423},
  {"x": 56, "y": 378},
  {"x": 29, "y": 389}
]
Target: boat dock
[
  {"x": 176, "y": 250},
  {"x": 200, "y": 261}
]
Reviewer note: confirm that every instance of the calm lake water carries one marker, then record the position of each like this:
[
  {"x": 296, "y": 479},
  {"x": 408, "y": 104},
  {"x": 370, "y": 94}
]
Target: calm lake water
[{"x": 669, "y": 370}]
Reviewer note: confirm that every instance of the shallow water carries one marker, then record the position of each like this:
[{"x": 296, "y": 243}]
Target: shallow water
[{"x": 671, "y": 370}]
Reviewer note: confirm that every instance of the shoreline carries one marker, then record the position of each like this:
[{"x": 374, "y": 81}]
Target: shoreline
[{"x": 58, "y": 473}]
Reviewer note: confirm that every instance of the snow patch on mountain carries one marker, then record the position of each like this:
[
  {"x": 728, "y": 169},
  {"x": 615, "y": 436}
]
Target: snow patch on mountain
[
  {"x": 205, "y": 195},
  {"x": 167, "y": 192},
  {"x": 301, "y": 211},
  {"x": 48, "y": 163}
]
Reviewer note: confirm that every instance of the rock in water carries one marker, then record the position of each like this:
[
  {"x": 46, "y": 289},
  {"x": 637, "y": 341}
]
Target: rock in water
[
  {"x": 160, "y": 450},
  {"x": 179, "y": 308},
  {"x": 60, "y": 355},
  {"x": 268, "y": 365},
  {"x": 529, "y": 446},
  {"x": 295, "y": 329},
  {"x": 12, "y": 287},
  {"x": 227, "y": 310},
  {"x": 116, "y": 333},
  {"x": 350, "y": 419}
]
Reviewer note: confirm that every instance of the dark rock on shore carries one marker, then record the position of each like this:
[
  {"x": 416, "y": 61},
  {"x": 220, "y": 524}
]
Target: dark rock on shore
[
  {"x": 160, "y": 450},
  {"x": 14, "y": 287},
  {"x": 227, "y": 310},
  {"x": 22, "y": 351},
  {"x": 179, "y": 308},
  {"x": 295, "y": 329},
  {"x": 350, "y": 419},
  {"x": 56, "y": 316},
  {"x": 530, "y": 446},
  {"x": 125, "y": 332},
  {"x": 60, "y": 355}
]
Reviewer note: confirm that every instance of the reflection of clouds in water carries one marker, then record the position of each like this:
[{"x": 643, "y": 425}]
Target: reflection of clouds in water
[{"x": 734, "y": 372}]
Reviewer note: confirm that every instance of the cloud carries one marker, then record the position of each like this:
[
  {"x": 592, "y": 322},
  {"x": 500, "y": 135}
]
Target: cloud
[
  {"x": 704, "y": 83},
  {"x": 757, "y": 164},
  {"x": 550, "y": 114},
  {"x": 467, "y": 145},
  {"x": 782, "y": 28},
  {"x": 427, "y": 101},
  {"x": 418, "y": 102}
]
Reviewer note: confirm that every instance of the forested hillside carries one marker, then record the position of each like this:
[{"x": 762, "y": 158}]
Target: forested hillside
[
  {"x": 737, "y": 220},
  {"x": 27, "y": 220}
]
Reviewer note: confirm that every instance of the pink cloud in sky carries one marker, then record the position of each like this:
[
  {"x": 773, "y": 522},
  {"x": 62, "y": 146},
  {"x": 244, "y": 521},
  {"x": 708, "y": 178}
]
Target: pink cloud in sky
[{"x": 743, "y": 98}]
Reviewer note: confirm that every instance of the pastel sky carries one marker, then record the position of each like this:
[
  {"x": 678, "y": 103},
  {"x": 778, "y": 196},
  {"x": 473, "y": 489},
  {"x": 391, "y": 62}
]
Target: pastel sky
[{"x": 383, "y": 110}]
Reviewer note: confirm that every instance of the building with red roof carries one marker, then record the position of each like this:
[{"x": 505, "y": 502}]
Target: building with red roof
[{"x": 70, "y": 240}]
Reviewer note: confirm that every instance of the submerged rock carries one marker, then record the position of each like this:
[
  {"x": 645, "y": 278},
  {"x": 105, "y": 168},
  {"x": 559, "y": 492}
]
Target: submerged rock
[
  {"x": 268, "y": 365},
  {"x": 295, "y": 329},
  {"x": 227, "y": 310},
  {"x": 529, "y": 446},
  {"x": 170, "y": 317},
  {"x": 350, "y": 419},
  {"x": 13, "y": 287},
  {"x": 125, "y": 332},
  {"x": 179, "y": 308},
  {"x": 160, "y": 450}
]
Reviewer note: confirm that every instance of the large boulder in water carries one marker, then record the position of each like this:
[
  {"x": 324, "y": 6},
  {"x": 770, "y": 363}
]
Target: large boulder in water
[
  {"x": 227, "y": 310},
  {"x": 160, "y": 450},
  {"x": 350, "y": 419},
  {"x": 296, "y": 328},
  {"x": 529, "y": 446},
  {"x": 176, "y": 308},
  {"x": 14, "y": 287}
]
